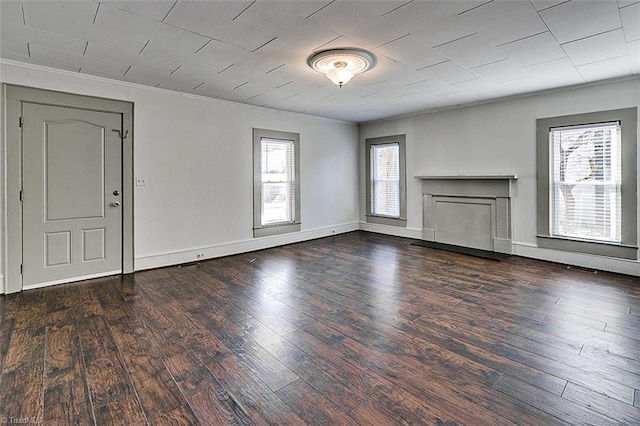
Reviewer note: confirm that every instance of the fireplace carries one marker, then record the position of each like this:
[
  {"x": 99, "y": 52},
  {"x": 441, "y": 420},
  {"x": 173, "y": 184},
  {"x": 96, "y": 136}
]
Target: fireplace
[{"x": 468, "y": 211}]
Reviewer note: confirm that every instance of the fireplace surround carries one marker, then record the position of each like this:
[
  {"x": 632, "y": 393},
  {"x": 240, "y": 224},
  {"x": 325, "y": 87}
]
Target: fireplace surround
[{"x": 468, "y": 210}]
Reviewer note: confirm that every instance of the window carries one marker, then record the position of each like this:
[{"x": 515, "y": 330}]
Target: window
[
  {"x": 386, "y": 180},
  {"x": 276, "y": 190},
  {"x": 587, "y": 183}
]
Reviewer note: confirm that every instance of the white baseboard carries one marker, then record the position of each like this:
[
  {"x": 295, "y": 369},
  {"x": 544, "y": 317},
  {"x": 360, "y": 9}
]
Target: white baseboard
[
  {"x": 159, "y": 260},
  {"x": 71, "y": 280},
  {"x": 620, "y": 266},
  {"x": 392, "y": 230},
  {"x": 601, "y": 263},
  {"x": 1, "y": 284}
]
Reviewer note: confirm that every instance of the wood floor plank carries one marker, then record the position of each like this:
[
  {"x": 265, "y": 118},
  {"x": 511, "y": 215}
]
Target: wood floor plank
[
  {"x": 63, "y": 355},
  {"x": 68, "y": 403},
  {"x": 362, "y": 408},
  {"x": 26, "y": 347},
  {"x": 21, "y": 393},
  {"x": 147, "y": 371},
  {"x": 396, "y": 398},
  {"x": 251, "y": 394},
  {"x": 574, "y": 368},
  {"x": 6, "y": 332},
  {"x": 358, "y": 328},
  {"x": 600, "y": 403},
  {"x": 215, "y": 406},
  {"x": 123, "y": 411},
  {"x": 106, "y": 374},
  {"x": 180, "y": 416},
  {"x": 205, "y": 394},
  {"x": 189, "y": 373},
  {"x": 550, "y": 403},
  {"x": 311, "y": 406}
]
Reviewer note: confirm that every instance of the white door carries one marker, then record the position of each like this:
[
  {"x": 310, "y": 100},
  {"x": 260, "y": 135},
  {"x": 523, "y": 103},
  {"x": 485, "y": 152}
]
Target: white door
[{"x": 72, "y": 183}]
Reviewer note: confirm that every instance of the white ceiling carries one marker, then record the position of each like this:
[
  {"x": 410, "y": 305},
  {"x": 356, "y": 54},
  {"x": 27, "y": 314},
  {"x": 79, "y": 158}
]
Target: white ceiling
[{"x": 431, "y": 54}]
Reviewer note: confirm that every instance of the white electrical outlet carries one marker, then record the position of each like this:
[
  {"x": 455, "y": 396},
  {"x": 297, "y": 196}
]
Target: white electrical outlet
[
  {"x": 199, "y": 255},
  {"x": 141, "y": 181},
  {"x": 461, "y": 172}
]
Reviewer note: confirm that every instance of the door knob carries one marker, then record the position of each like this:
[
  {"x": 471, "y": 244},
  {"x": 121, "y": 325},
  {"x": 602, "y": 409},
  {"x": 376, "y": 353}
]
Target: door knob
[{"x": 115, "y": 204}]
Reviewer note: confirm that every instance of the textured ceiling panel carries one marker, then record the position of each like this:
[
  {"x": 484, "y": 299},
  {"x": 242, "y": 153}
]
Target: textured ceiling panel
[
  {"x": 436, "y": 23},
  {"x": 11, "y": 13},
  {"x": 227, "y": 8},
  {"x": 156, "y": 9},
  {"x": 56, "y": 16},
  {"x": 412, "y": 52},
  {"x": 501, "y": 71},
  {"x": 268, "y": 13},
  {"x": 631, "y": 21},
  {"x": 431, "y": 54},
  {"x": 395, "y": 72},
  {"x": 546, "y": 4},
  {"x": 605, "y": 69},
  {"x": 554, "y": 70},
  {"x": 209, "y": 24},
  {"x": 579, "y": 19},
  {"x": 478, "y": 87},
  {"x": 22, "y": 34},
  {"x": 172, "y": 38},
  {"x": 14, "y": 48},
  {"x": 450, "y": 72},
  {"x": 433, "y": 87},
  {"x": 633, "y": 49},
  {"x": 360, "y": 24},
  {"x": 472, "y": 51},
  {"x": 533, "y": 50},
  {"x": 597, "y": 48},
  {"x": 518, "y": 20}
]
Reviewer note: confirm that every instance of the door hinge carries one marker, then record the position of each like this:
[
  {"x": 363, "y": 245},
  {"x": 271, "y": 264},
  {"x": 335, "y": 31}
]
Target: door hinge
[
  {"x": 20, "y": 269},
  {"x": 21, "y": 121},
  {"x": 22, "y": 195}
]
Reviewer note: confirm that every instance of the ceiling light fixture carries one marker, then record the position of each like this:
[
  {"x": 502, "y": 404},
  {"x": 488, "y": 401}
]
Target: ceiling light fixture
[{"x": 340, "y": 65}]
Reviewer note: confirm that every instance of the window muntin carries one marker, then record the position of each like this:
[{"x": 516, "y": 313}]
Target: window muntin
[
  {"x": 587, "y": 177},
  {"x": 385, "y": 180}
]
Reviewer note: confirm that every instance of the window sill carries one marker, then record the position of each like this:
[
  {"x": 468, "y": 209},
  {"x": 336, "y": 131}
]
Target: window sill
[
  {"x": 276, "y": 230},
  {"x": 589, "y": 247},
  {"x": 384, "y": 220}
]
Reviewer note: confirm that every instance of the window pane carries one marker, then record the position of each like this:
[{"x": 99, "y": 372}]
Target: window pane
[
  {"x": 385, "y": 175},
  {"x": 586, "y": 193},
  {"x": 276, "y": 203},
  {"x": 278, "y": 181}
]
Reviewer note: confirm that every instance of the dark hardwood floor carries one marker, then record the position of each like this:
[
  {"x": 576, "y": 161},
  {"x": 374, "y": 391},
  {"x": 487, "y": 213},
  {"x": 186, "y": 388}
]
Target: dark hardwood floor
[{"x": 353, "y": 329}]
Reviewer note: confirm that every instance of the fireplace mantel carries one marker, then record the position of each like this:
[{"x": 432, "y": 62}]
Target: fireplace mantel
[{"x": 468, "y": 210}]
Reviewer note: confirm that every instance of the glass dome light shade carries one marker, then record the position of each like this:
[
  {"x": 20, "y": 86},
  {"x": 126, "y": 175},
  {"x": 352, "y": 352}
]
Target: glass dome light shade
[{"x": 340, "y": 76}]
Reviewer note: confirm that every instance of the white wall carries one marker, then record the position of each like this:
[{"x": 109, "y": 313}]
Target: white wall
[
  {"x": 496, "y": 138},
  {"x": 196, "y": 154}
]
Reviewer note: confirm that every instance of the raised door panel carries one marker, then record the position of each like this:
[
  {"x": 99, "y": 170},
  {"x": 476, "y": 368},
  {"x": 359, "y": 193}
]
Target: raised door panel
[{"x": 74, "y": 170}]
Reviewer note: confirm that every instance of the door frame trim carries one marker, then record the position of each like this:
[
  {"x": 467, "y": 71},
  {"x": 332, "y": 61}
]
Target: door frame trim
[{"x": 15, "y": 96}]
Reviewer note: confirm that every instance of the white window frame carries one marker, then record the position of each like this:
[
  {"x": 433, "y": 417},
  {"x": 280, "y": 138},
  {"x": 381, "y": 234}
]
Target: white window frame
[
  {"x": 401, "y": 220},
  {"x": 627, "y": 248},
  {"x": 260, "y": 229}
]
